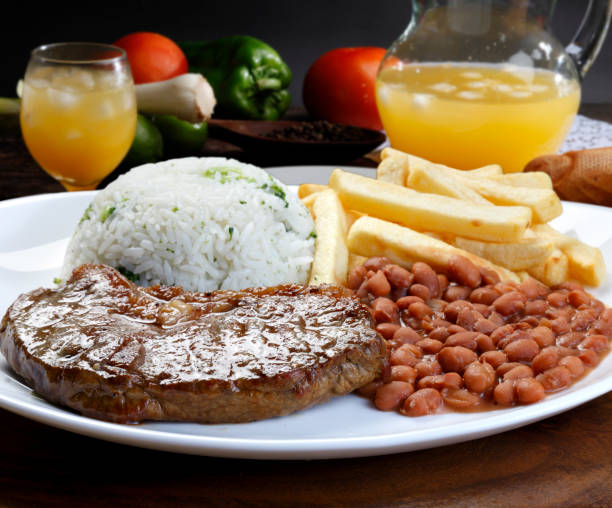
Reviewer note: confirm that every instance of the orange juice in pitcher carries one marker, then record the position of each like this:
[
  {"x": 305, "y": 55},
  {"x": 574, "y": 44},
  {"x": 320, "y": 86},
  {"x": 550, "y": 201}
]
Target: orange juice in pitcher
[
  {"x": 467, "y": 116},
  {"x": 477, "y": 82}
]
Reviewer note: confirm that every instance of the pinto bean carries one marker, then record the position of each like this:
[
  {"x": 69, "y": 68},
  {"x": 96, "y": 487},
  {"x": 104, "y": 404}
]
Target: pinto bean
[
  {"x": 570, "y": 339},
  {"x": 504, "y": 394},
  {"x": 545, "y": 359},
  {"x": 387, "y": 330},
  {"x": 439, "y": 334},
  {"x": 421, "y": 291},
  {"x": 422, "y": 402},
  {"x": 501, "y": 332},
  {"x": 397, "y": 276},
  {"x": 461, "y": 270},
  {"x": 578, "y": 297},
  {"x": 528, "y": 390},
  {"x": 455, "y": 358},
  {"x": 494, "y": 358},
  {"x": 403, "y": 373},
  {"x": 404, "y": 355},
  {"x": 484, "y": 325},
  {"x": 426, "y": 275},
  {"x": 597, "y": 343},
  {"x": 454, "y": 293},
  {"x": 484, "y": 343},
  {"x": 440, "y": 381},
  {"x": 389, "y": 396},
  {"x": 532, "y": 289},
  {"x": 467, "y": 318},
  {"x": 369, "y": 390},
  {"x": 535, "y": 307},
  {"x": 522, "y": 350},
  {"x": 465, "y": 339},
  {"x": 488, "y": 276},
  {"x": 420, "y": 310},
  {"x": 479, "y": 377},
  {"x": 505, "y": 367},
  {"x": 485, "y": 295},
  {"x": 378, "y": 284},
  {"x": 356, "y": 277},
  {"x": 557, "y": 299},
  {"x": 518, "y": 372},
  {"x": 555, "y": 379},
  {"x": 573, "y": 364},
  {"x": 385, "y": 310},
  {"x": 443, "y": 282},
  {"x": 542, "y": 335},
  {"x": 451, "y": 312},
  {"x": 509, "y": 303},
  {"x": 406, "y": 335},
  {"x": 560, "y": 325},
  {"x": 430, "y": 346},
  {"x": 427, "y": 368},
  {"x": 406, "y": 301},
  {"x": 376, "y": 263},
  {"x": 589, "y": 357},
  {"x": 460, "y": 398}
]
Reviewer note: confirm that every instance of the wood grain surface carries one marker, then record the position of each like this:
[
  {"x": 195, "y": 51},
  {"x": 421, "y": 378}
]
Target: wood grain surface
[{"x": 564, "y": 461}]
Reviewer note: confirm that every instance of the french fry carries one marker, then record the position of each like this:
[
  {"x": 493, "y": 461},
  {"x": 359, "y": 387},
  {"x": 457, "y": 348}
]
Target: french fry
[
  {"x": 520, "y": 255},
  {"x": 586, "y": 263},
  {"x": 330, "y": 264},
  {"x": 422, "y": 179},
  {"x": 307, "y": 189},
  {"x": 429, "y": 212},
  {"x": 392, "y": 168},
  {"x": 427, "y": 176},
  {"x": 533, "y": 179},
  {"x": 370, "y": 236},
  {"x": 544, "y": 203},
  {"x": 309, "y": 200},
  {"x": 553, "y": 271}
]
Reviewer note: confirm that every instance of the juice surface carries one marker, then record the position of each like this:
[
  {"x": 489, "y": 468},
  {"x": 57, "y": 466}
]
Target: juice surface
[
  {"x": 470, "y": 116},
  {"x": 78, "y": 125}
]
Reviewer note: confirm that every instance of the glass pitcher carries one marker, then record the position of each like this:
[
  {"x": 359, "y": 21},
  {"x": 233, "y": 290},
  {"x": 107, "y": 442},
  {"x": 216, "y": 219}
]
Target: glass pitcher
[{"x": 477, "y": 82}]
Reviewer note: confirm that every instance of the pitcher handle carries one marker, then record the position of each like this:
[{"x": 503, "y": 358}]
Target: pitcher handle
[{"x": 587, "y": 41}]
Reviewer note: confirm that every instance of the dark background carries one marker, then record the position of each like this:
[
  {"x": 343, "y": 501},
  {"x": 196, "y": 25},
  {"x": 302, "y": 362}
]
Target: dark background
[{"x": 300, "y": 31}]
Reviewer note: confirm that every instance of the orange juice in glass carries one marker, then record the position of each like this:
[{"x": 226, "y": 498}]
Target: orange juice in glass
[
  {"x": 467, "y": 116},
  {"x": 78, "y": 111}
]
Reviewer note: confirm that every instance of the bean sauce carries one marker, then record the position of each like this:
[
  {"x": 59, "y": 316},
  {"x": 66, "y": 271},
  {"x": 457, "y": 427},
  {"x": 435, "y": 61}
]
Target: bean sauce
[{"x": 463, "y": 340}]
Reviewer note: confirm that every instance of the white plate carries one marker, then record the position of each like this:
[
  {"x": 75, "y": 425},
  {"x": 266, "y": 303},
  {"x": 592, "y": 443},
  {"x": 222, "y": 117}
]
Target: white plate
[{"x": 35, "y": 231}]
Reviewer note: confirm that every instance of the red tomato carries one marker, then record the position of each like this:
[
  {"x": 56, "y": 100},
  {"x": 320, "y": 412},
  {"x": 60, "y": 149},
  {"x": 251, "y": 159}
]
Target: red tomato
[
  {"x": 152, "y": 57},
  {"x": 339, "y": 87}
]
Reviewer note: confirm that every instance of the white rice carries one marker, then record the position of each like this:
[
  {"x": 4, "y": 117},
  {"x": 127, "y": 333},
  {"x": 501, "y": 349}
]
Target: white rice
[{"x": 201, "y": 223}]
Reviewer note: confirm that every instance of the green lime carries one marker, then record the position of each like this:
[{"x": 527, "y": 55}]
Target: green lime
[
  {"x": 181, "y": 138},
  {"x": 147, "y": 146}
]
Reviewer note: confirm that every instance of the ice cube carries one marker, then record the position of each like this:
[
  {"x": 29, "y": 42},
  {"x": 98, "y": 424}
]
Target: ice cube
[
  {"x": 520, "y": 94},
  {"x": 469, "y": 95},
  {"x": 501, "y": 87},
  {"x": 421, "y": 100},
  {"x": 62, "y": 98},
  {"x": 477, "y": 84},
  {"x": 443, "y": 87}
]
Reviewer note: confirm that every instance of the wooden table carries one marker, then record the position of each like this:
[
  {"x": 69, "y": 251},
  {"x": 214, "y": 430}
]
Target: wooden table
[{"x": 559, "y": 462}]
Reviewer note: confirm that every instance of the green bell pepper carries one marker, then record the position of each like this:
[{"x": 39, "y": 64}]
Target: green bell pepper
[{"x": 249, "y": 78}]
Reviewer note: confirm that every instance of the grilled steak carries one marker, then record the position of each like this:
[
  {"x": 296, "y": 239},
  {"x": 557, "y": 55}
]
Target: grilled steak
[{"x": 115, "y": 351}]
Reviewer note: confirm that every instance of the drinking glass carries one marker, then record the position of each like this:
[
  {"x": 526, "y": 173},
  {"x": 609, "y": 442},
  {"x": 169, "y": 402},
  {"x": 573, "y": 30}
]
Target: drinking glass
[
  {"x": 477, "y": 82},
  {"x": 78, "y": 111}
]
